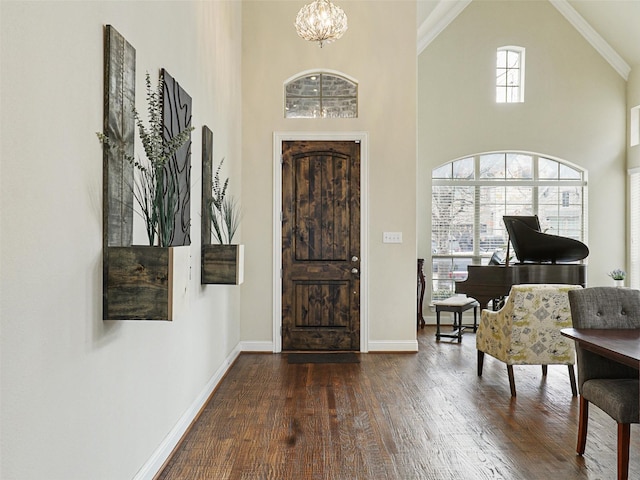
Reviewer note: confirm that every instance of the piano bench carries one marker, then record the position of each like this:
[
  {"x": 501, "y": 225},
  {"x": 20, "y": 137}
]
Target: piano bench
[{"x": 457, "y": 305}]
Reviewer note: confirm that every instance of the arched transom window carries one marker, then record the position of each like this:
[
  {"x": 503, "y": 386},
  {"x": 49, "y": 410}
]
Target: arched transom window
[
  {"x": 321, "y": 95},
  {"x": 470, "y": 196}
]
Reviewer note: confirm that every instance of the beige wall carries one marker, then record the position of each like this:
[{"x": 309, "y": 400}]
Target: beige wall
[
  {"x": 574, "y": 110},
  {"x": 378, "y": 51},
  {"x": 83, "y": 398}
]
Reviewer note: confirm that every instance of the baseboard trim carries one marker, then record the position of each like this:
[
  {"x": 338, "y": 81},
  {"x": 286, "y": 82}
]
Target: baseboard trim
[
  {"x": 158, "y": 459},
  {"x": 393, "y": 346}
]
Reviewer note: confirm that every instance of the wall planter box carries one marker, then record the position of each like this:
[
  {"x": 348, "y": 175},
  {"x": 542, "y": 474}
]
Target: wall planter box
[
  {"x": 222, "y": 264},
  {"x": 138, "y": 283}
]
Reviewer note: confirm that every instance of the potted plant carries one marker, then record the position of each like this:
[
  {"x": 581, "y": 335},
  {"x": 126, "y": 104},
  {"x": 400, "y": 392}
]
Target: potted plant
[
  {"x": 222, "y": 261},
  {"x": 138, "y": 279},
  {"x": 156, "y": 188},
  {"x": 618, "y": 275}
]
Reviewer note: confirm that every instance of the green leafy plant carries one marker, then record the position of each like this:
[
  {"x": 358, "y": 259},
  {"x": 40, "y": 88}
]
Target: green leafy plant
[
  {"x": 224, "y": 211},
  {"x": 617, "y": 274},
  {"x": 155, "y": 188}
]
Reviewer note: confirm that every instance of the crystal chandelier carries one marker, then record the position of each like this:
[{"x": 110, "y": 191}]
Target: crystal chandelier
[{"x": 321, "y": 21}]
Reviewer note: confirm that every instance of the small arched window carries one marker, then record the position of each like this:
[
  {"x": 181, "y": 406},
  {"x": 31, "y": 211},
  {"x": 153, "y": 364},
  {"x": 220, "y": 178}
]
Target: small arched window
[
  {"x": 510, "y": 75},
  {"x": 321, "y": 95}
]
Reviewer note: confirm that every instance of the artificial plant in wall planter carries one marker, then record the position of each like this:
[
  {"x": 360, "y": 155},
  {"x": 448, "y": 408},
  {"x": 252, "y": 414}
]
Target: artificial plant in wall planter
[
  {"x": 222, "y": 260},
  {"x": 138, "y": 279}
]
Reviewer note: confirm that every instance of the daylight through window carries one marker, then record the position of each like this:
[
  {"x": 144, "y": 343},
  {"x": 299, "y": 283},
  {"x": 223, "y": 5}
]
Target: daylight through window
[
  {"x": 321, "y": 95},
  {"x": 510, "y": 75},
  {"x": 471, "y": 195}
]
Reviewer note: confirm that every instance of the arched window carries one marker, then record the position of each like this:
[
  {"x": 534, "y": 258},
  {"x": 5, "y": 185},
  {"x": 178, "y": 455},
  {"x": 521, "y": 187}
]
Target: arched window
[
  {"x": 510, "y": 75},
  {"x": 470, "y": 195},
  {"x": 321, "y": 95}
]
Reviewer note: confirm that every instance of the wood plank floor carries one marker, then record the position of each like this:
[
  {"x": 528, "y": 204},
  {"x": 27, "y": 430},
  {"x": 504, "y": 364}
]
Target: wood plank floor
[{"x": 395, "y": 416}]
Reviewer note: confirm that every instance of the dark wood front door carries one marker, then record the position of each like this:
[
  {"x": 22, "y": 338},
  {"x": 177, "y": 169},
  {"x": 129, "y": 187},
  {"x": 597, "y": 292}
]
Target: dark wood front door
[{"x": 321, "y": 245}]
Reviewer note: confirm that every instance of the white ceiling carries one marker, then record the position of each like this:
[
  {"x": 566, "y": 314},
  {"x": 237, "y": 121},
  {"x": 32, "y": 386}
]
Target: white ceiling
[{"x": 612, "y": 26}]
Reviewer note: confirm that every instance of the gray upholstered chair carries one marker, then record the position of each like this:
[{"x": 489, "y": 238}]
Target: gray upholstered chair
[{"x": 611, "y": 386}]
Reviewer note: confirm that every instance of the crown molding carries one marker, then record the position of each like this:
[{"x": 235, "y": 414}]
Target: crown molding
[
  {"x": 441, "y": 16},
  {"x": 593, "y": 37}
]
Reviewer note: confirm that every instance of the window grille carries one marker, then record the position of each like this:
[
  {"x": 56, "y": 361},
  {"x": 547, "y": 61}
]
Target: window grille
[{"x": 510, "y": 75}]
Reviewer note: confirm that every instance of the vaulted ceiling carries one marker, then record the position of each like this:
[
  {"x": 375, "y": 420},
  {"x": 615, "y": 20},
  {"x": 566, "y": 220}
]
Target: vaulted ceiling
[{"x": 611, "y": 26}]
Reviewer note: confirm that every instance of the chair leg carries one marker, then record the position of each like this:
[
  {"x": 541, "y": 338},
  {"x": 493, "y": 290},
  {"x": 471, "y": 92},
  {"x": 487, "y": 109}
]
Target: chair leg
[
  {"x": 544, "y": 370},
  {"x": 512, "y": 382},
  {"x": 624, "y": 433},
  {"x": 583, "y": 420},
  {"x": 572, "y": 379},
  {"x": 480, "y": 362}
]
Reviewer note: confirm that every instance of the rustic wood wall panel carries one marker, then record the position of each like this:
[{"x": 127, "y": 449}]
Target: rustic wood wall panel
[
  {"x": 176, "y": 105},
  {"x": 119, "y": 126},
  {"x": 139, "y": 283}
]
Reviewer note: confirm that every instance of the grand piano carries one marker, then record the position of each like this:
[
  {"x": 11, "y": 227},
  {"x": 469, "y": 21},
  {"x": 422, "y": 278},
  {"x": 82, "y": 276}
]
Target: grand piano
[{"x": 542, "y": 258}]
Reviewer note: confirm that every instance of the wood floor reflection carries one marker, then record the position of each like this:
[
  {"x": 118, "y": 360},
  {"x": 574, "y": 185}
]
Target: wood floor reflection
[{"x": 424, "y": 416}]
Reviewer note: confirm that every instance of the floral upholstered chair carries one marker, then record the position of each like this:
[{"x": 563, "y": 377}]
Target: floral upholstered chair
[{"x": 526, "y": 330}]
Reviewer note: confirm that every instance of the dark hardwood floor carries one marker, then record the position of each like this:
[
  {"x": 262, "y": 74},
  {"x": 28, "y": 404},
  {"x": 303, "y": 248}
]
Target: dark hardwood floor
[{"x": 395, "y": 416}]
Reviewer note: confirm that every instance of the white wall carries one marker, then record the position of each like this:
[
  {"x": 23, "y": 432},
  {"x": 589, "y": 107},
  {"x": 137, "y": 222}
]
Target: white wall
[
  {"x": 379, "y": 51},
  {"x": 83, "y": 398},
  {"x": 574, "y": 110}
]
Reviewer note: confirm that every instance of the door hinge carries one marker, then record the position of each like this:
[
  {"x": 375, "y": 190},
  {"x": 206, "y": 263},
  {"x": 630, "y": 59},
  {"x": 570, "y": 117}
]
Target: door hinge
[{"x": 281, "y": 217}]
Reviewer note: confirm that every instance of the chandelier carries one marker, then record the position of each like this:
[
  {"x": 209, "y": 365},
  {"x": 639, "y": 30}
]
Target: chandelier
[{"x": 321, "y": 21}]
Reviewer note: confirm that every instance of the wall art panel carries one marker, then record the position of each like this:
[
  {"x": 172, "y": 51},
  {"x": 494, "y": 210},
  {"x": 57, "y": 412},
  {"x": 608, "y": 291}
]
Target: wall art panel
[
  {"x": 119, "y": 126},
  {"x": 177, "y": 116}
]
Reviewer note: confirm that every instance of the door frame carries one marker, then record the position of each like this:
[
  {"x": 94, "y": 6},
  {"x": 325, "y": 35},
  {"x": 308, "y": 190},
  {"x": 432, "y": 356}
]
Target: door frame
[{"x": 278, "y": 138}]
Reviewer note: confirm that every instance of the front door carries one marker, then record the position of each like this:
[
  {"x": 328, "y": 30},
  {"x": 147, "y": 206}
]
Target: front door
[{"x": 320, "y": 245}]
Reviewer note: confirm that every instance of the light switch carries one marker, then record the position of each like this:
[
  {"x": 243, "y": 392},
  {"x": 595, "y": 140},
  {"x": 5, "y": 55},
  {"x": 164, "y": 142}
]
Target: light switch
[{"x": 392, "y": 237}]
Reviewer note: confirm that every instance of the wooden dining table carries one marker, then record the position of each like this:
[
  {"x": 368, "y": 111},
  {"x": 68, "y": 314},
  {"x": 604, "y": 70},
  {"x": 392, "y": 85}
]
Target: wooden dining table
[{"x": 621, "y": 345}]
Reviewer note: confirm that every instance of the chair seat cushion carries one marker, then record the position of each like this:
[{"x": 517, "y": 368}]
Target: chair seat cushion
[{"x": 619, "y": 397}]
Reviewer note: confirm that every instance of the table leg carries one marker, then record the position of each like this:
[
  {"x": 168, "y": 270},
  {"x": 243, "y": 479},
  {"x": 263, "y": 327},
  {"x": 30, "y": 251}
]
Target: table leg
[{"x": 437, "y": 324}]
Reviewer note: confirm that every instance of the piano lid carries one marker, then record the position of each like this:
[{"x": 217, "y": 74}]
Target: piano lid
[{"x": 532, "y": 246}]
